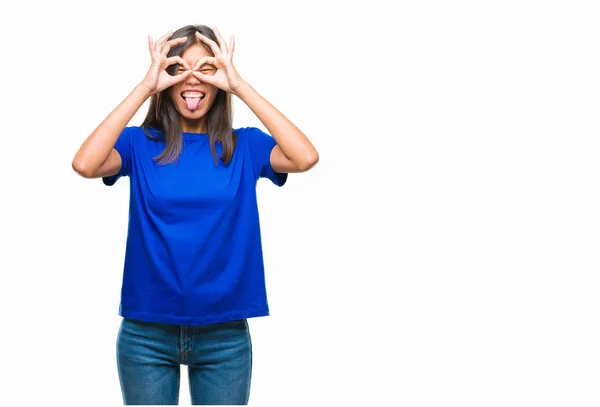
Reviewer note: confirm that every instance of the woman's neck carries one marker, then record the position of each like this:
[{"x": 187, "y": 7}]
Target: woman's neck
[{"x": 193, "y": 126}]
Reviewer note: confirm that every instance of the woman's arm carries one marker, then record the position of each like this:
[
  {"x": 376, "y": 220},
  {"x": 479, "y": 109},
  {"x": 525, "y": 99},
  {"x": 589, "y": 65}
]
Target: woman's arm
[
  {"x": 294, "y": 152},
  {"x": 92, "y": 159},
  {"x": 95, "y": 158}
]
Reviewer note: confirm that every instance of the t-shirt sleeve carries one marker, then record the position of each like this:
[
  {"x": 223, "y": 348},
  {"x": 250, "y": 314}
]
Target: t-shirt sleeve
[
  {"x": 123, "y": 146},
  {"x": 260, "y": 145}
]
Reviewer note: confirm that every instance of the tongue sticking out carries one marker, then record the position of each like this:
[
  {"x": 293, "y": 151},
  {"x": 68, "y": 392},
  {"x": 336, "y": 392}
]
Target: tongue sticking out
[{"x": 192, "y": 103}]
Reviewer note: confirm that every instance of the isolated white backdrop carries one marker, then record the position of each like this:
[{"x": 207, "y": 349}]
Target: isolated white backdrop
[{"x": 444, "y": 251}]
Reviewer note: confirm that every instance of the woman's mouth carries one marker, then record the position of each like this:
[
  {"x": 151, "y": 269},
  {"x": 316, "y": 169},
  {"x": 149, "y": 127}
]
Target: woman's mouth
[{"x": 192, "y": 99}]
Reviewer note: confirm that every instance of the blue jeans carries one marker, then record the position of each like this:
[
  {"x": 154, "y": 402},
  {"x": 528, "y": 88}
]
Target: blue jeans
[{"x": 218, "y": 356}]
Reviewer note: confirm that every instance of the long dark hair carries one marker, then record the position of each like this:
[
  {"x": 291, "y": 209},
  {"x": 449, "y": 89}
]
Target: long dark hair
[{"x": 163, "y": 116}]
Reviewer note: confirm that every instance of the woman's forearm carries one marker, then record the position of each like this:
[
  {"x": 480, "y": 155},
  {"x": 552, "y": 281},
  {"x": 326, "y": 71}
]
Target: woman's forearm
[
  {"x": 292, "y": 142},
  {"x": 96, "y": 148}
]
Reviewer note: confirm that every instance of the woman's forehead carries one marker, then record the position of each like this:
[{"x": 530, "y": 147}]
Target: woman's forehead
[{"x": 194, "y": 53}]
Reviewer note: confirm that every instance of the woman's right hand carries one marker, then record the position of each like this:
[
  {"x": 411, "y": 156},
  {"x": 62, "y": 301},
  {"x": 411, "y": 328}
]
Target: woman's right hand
[{"x": 158, "y": 79}]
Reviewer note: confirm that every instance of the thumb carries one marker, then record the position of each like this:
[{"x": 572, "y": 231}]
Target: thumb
[
  {"x": 181, "y": 76},
  {"x": 204, "y": 78}
]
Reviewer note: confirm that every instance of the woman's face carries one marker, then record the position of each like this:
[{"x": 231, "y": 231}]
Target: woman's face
[{"x": 193, "y": 98}]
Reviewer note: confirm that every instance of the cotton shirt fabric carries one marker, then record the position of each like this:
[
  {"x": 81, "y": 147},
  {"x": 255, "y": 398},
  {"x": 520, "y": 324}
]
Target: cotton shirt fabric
[{"x": 194, "y": 253}]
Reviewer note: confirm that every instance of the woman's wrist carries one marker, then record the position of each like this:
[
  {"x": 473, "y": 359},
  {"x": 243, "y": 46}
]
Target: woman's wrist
[
  {"x": 142, "y": 90},
  {"x": 240, "y": 89}
]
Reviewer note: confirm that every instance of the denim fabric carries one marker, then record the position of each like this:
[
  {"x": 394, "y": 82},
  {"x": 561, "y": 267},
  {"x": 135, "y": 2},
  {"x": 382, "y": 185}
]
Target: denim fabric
[{"x": 218, "y": 356}]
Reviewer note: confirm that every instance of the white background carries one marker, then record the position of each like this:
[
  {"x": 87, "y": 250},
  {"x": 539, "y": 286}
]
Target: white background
[{"x": 444, "y": 251}]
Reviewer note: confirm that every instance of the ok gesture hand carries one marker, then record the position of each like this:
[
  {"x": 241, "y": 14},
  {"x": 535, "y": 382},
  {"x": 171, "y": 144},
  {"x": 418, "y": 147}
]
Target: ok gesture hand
[
  {"x": 226, "y": 76},
  {"x": 157, "y": 78}
]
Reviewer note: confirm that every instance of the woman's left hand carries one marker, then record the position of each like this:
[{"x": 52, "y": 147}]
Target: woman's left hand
[{"x": 226, "y": 77}]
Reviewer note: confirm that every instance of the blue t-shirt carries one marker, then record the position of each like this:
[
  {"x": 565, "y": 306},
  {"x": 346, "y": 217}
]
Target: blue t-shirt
[{"x": 194, "y": 253}]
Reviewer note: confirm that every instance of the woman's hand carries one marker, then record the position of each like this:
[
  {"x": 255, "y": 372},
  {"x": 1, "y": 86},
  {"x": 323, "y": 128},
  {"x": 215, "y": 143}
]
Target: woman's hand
[
  {"x": 157, "y": 79},
  {"x": 226, "y": 77}
]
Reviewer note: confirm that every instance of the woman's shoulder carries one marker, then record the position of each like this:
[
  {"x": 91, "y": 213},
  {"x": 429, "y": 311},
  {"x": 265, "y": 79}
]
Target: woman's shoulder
[
  {"x": 140, "y": 134},
  {"x": 244, "y": 131},
  {"x": 249, "y": 134}
]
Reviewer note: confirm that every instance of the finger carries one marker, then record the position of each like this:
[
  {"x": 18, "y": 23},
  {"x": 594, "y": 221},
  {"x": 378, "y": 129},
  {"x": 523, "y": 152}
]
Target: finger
[
  {"x": 151, "y": 45},
  {"x": 167, "y": 46},
  {"x": 222, "y": 44},
  {"x": 153, "y": 54},
  {"x": 158, "y": 45},
  {"x": 180, "y": 77},
  {"x": 164, "y": 37},
  {"x": 178, "y": 60},
  {"x": 204, "y": 78},
  {"x": 231, "y": 47},
  {"x": 213, "y": 46},
  {"x": 204, "y": 60}
]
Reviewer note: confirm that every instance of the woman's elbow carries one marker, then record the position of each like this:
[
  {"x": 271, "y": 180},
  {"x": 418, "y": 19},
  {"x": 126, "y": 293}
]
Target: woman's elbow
[
  {"x": 81, "y": 169},
  {"x": 310, "y": 161}
]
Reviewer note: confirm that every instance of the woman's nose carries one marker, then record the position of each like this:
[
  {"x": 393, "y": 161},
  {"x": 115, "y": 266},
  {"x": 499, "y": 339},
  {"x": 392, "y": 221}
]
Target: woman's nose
[{"x": 192, "y": 80}]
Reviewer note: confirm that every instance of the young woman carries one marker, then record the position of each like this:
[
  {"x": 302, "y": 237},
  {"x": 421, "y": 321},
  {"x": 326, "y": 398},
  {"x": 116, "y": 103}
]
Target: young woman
[{"x": 193, "y": 268}]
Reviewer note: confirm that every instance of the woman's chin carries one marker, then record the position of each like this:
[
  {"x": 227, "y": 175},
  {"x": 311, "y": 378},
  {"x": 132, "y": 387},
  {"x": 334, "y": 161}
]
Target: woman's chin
[{"x": 191, "y": 114}]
